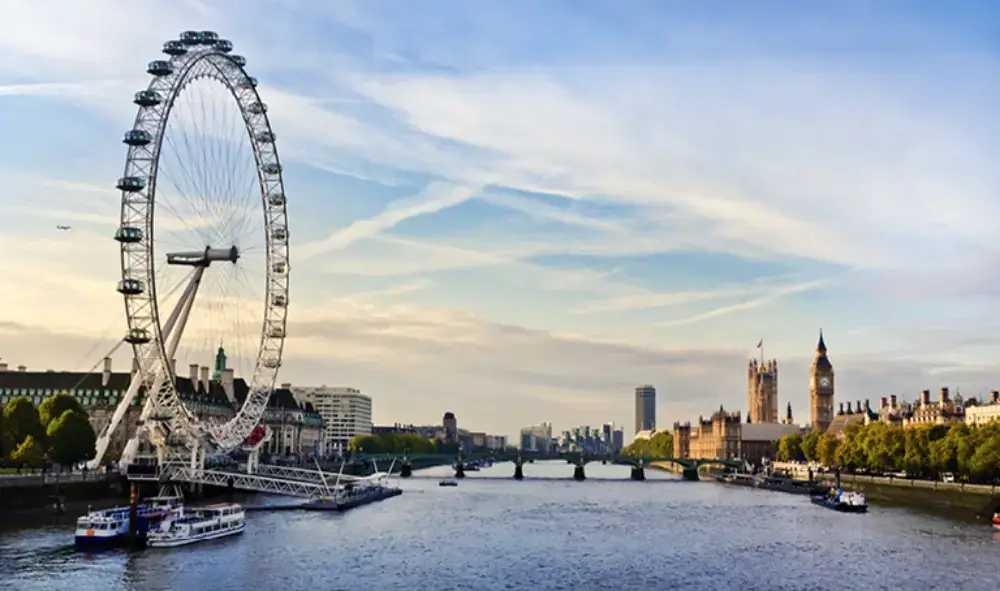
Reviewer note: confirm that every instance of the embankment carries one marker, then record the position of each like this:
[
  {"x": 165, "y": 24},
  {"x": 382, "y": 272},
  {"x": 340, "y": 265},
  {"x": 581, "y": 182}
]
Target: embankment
[
  {"x": 959, "y": 500},
  {"x": 28, "y": 494}
]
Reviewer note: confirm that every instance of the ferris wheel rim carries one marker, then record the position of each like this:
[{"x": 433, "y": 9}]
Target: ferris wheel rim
[{"x": 169, "y": 79}]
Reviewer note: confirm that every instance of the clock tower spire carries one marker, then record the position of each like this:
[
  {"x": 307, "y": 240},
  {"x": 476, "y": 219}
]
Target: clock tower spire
[{"x": 821, "y": 388}]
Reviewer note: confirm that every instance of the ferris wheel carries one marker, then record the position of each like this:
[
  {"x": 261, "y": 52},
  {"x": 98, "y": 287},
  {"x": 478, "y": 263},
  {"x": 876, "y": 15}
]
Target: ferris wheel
[{"x": 202, "y": 214}]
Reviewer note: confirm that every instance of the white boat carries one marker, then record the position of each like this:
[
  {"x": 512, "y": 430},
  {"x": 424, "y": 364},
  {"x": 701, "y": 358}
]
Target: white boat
[
  {"x": 199, "y": 524},
  {"x": 111, "y": 526}
]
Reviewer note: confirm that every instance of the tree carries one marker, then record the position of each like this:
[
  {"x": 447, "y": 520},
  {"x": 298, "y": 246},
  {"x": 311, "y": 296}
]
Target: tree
[
  {"x": 790, "y": 448},
  {"x": 985, "y": 462},
  {"x": 30, "y": 453},
  {"x": 809, "y": 443},
  {"x": 851, "y": 453},
  {"x": 392, "y": 443},
  {"x": 6, "y": 439},
  {"x": 54, "y": 406},
  {"x": 660, "y": 445},
  {"x": 826, "y": 450},
  {"x": 20, "y": 419},
  {"x": 71, "y": 439}
]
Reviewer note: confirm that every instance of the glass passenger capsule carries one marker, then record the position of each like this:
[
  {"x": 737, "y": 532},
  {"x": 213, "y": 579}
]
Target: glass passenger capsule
[
  {"x": 137, "y": 137},
  {"x": 128, "y": 235},
  {"x": 190, "y": 37},
  {"x": 224, "y": 45},
  {"x": 174, "y": 48},
  {"x": 257, "y": 108},
  {"x": 265, "y": 137},
  {"x": 280, "y": 234},
  {"x": 208, "y": 37},
  {"x": 160, "y": 68},
  {"x": 279, "y": 300},
  {"x": 276, "y": 332},
  {"x": 280, "y": 268},
  {"x": 137, "y": 336},
  {"x": 147, "y": 98},
  {"x": 271, "y": 168},
  {"x": 239, "y": 60},
  {"x": 131, "y": 184},
  {"x": 248, "y": 82},
  {"x": 271, "y": 362},
  {"x": 276, "y": 200},
  {"x": 131, "y": 287}
]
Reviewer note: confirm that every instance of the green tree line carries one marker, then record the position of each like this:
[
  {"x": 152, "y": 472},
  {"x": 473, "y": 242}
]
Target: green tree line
[
  {"x": 398, "y": 443},
  {"x": 972, "y": 453},
  {"x": 57, "y": 430},
  {"x": 660, "y": 445}
]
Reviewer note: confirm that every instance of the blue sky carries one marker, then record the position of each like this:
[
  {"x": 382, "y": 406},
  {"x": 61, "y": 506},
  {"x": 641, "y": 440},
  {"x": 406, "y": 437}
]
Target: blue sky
[{"x": 518, "y": 211}]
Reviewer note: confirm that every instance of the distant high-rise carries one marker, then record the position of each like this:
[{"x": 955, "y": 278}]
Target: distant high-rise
[{"x": 645, "y": 408}]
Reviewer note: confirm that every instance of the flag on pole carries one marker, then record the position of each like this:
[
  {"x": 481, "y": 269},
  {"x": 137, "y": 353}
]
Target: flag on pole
[{"x": 760, "y": 343}]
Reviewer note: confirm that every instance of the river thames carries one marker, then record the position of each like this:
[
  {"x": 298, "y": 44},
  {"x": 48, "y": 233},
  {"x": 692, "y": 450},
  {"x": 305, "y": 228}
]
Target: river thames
[{"x": 545, "y": 532}]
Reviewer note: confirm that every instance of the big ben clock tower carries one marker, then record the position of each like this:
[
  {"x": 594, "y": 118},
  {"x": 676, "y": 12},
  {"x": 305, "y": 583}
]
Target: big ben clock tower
[{"x": 821, "y": 388}]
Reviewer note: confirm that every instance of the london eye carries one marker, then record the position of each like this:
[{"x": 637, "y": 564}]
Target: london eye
[{"x": 204, "y": 242}]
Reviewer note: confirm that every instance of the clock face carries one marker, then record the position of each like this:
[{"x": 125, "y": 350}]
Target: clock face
[{"x": 824, "y": 381}]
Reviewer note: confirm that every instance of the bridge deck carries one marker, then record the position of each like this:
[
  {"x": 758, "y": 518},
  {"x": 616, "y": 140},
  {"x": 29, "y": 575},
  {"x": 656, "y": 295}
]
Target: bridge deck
[
  {"x": 240, "y": 480},
  {"x": 281, "y": 480}
]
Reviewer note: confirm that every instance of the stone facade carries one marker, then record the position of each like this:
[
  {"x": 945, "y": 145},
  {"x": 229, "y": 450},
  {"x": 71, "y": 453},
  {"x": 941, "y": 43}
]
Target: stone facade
[
  {"x": 762, "y": 391},
  {"x": 715, "y": 437},
  {"x": 218, "y": 400},
  {"x": 821, "y": 388}
]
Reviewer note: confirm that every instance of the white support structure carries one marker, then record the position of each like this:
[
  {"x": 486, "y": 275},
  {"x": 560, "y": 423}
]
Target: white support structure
[
  {"x": 181, "y": 310},
  {"x": 299, "y": 474},
  {"x": 252, "y": 482}
]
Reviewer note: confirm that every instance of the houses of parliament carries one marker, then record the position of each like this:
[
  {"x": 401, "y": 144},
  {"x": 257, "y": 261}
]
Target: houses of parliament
[{"x": 726, "y": 435}]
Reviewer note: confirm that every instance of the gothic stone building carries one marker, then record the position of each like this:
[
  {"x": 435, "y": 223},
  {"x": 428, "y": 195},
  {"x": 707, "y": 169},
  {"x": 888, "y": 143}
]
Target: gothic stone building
[
  {"x": 762, "y": 391},
  {"x": 821, "y": 388}
]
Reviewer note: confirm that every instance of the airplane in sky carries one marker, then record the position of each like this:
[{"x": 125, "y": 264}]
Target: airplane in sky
[{"x": 64, "y": 228}]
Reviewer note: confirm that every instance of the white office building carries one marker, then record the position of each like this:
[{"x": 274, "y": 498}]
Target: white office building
[{"x": 346, "y": 414}]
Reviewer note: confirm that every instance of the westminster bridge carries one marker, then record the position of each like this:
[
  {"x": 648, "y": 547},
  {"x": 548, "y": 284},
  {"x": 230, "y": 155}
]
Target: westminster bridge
[{"x": 404, "y": 463}]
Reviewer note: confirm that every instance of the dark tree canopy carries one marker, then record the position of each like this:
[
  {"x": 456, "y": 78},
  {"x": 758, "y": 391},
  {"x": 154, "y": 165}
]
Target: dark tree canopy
[
  {"x": 31, "y": 452},
  {"x": 71, "y": 439},
  {"x": 54, "y": 406},
  {"x": 20, "y": 419}
]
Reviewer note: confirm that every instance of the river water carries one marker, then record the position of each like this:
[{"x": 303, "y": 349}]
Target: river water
[{"x": 545, "y": 532}]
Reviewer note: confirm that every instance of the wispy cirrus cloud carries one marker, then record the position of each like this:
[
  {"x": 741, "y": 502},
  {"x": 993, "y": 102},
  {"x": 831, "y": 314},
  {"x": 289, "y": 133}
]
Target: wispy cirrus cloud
[{"x": 557, "y": 181}]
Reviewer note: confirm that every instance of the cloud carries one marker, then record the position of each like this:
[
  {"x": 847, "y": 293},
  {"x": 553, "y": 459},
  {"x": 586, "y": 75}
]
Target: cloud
[
  {"x": 435, "y": 197},
  {"x": 604, "y": 146},
  {"x": 770, "y": 297}
]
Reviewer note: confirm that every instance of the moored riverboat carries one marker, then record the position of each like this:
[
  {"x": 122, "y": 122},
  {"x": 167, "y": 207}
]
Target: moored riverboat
[
  {"x": 111, "y": 527},
  {"x": 198, "y": 524},
  {"x": 842, "y": 500}
]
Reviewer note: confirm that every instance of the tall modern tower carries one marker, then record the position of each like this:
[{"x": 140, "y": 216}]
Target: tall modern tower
[{"x": 645, "y": 408}]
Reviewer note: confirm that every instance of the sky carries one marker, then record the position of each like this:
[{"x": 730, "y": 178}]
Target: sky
[{"x": 519, "y": 211}]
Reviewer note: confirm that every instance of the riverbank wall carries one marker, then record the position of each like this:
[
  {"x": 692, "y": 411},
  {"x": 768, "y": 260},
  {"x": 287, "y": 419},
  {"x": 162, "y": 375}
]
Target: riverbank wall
[
  {"x": 45, "y": 492},
  {"x": 969, "y": 501}
]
